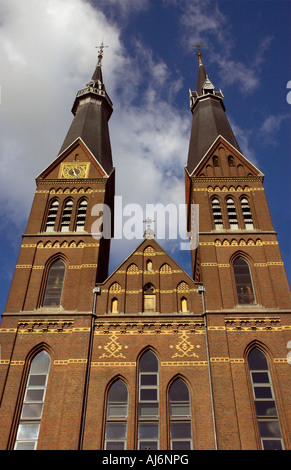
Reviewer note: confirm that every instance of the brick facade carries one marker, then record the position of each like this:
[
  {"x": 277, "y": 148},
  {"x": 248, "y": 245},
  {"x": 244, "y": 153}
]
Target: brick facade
[{"x": 205, "y": 344}]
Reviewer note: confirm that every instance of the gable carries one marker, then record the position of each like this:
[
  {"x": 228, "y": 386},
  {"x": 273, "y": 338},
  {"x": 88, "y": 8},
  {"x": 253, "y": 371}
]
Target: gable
[
  {"x": 148, "y": 268},
  {"x": 76, "y": 162},
  {"x": 222, "y": 159}
]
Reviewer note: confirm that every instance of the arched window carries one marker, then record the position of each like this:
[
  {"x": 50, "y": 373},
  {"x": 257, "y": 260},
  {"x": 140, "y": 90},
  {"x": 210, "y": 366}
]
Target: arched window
[
  {"x": 66, "y": 216},
  {"x": 116, "y": 417},
  {"x": 215, "y": 160},
  {"x": 114, "y": 305},
  {"x": 52, "y": 215},
  {"x": 32, "y": 407},
  {"x": 243, "y": 281},
  {"x": 149, "y": 265},
  {"x": 265, "y": 403},
  {"x": 148, "y": 403},
  {"x": 184, "y": 305},
  {"x": 180, "y": 416},
  {"x": 247, "y": 215},
  {"x": 231, "y": 160},
  {"x": 54, "y": 286},
  {"x": 217, "y": 216},
  {"x": 232, "y": 217},
  {"x": 149, "y": 298},
  {"x": 81, "y": 216}
]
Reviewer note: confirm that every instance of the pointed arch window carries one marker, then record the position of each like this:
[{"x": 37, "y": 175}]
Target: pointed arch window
[
  {"x": 231, "y": 160},
  {"x": 55, "y": 283},
  {"x": 33, "y": 403},
  {"x": 148, "y": 402},
  {"x": 247, "y": 215},
  {"x": 114, "y": 305},
  {"x": 243, "y": 281},
  {"x": 184, "y": 304},
  {"x": 81, "y": 216},
  {"x": 149, "y": 265},
  {"x": 149, "y": 298},
  {"x": 116, "y": 417},
  {"x": 265, "y": 403},
  {"x": 52, "y": 215},
  {"x": 66, "y": 216},
  {"x": 217, "y": 216},
  {"x": 215, "y": 160},
  {"x": 180, "y": 416},
  {"x": 231, "y": 210}
]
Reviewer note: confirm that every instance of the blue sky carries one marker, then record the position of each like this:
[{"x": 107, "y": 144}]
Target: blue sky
[{"x": 47, "y": 53}]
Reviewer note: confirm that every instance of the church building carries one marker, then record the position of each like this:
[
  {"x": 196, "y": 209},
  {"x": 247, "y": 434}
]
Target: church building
[{"x": 148, "y": 357}]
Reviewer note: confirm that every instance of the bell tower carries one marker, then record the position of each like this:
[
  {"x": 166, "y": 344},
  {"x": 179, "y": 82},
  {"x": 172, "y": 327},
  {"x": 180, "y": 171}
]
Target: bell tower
[
  {"x": 238, "y": 258},
  {"x": 59, "y": 260}
]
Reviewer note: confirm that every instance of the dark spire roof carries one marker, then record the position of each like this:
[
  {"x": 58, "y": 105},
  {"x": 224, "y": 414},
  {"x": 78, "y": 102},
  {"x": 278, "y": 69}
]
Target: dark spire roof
[
  {"x": 209, "y": 119},
  {"x": 92, "y": 109}
]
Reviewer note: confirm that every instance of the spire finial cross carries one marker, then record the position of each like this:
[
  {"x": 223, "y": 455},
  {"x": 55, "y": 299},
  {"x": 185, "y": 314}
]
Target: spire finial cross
[
  {"x": 198, "y": 47},
  {"x": 100, "y": 52},
  {"x": 149, "y": 232},
  {"x": 199, "y": 54}
]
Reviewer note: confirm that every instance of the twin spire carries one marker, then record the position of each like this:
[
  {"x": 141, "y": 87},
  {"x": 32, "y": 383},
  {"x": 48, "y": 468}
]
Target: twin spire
[
  {"x": 209, "y": 118},
  {"x": 92, "y": 109}
]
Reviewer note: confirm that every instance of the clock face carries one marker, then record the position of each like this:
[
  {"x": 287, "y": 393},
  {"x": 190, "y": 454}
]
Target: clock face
[{"x": 74, "y": 170}]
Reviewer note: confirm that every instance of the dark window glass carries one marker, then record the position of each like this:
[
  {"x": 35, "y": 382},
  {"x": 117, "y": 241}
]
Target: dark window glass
[
  {"x": 272, "y": 444},
  {"x": 148, "y": 445},
  {"x": 55, "y": 282},
  {"x": 243, "y": 281},
  {"x": 32, "y": 407},
  {"x": 179, "y": 391},
  {"x": 180, "y": 416},
  {"x": 266, "y": 410},
  {"x": 181, "y": 445},
  {"x": 116, "y": 417},
  {"x": 114, "y": 446},
  {"x": 149, "y": 362},
  {"x": 257, "y": 360},
  {"x": 118, "y": 392},
  {"x": 148, "y": 407}
]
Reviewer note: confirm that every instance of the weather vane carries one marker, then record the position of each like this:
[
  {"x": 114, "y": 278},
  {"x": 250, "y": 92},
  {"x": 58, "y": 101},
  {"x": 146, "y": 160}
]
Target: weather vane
[{"x": 100, "y": 52}]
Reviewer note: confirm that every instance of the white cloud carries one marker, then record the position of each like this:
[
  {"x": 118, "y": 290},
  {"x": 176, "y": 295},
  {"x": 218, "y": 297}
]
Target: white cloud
[{"x": 44, "y": 63}]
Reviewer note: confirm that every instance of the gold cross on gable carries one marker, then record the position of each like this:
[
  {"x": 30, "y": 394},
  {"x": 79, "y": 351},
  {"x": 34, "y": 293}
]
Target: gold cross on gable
[{"x": 100, "y": 52}]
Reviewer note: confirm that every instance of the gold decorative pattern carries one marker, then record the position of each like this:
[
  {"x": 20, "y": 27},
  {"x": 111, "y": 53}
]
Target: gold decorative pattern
[
  {"x": 81, "y": 266},
  {"x": 238, "y": 189},
  {"x": 112, "y": 348},
  {"x": 269, "y": 263},
  {"x": 115, "y": 288},
  {"x": 65, "y": 362},
  {"x": 113, "y": 364},
  {"x": 241, "y": 242},
  {"x": 166, "y": 269},
  {"x": 184, "y": 347},
  {"x": 183, "y": 287},
  {"x": 133, "y": 269}
]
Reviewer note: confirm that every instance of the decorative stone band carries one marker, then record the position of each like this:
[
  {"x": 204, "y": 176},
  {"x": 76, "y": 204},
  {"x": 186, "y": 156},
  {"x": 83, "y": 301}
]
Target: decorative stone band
[{"x": 213, "y": 360}]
